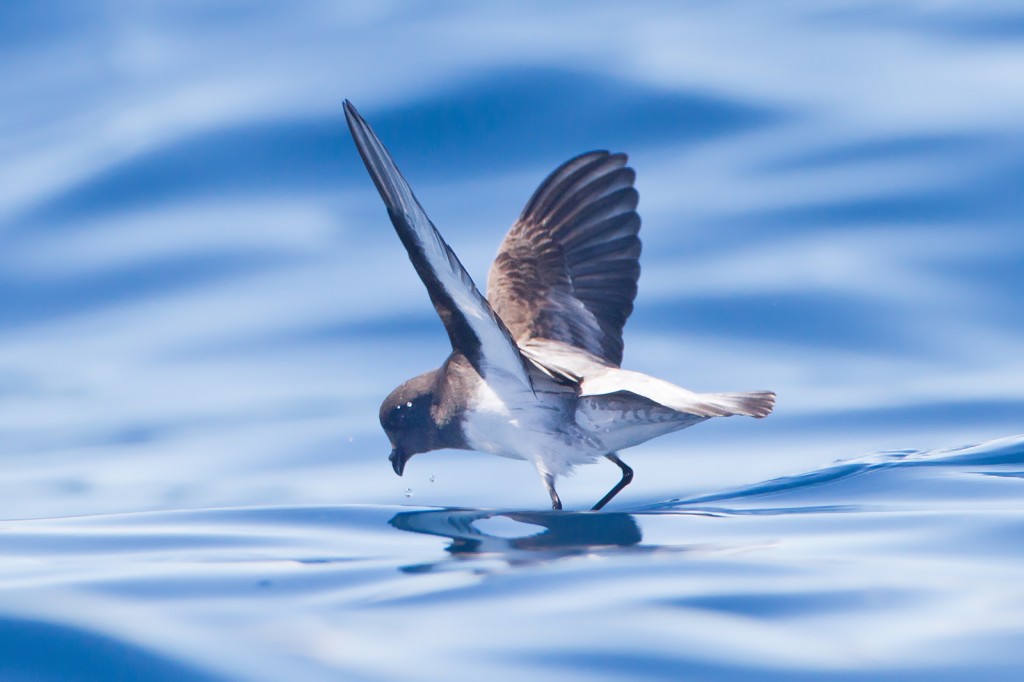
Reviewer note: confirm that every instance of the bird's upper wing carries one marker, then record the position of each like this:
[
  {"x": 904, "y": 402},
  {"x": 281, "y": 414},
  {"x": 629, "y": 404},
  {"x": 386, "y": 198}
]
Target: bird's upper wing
[
  {"x": 568, "y": 268},
  {"x": 474, "y": 329}
]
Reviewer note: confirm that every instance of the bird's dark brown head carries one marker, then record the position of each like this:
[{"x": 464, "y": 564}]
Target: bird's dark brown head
[{"x": 406, "y": 416}]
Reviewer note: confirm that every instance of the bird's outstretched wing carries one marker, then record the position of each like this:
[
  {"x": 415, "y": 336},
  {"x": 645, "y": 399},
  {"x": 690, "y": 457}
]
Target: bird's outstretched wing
[
  {"x": 474, "y": 329},
  {"x": 568, "y": 268}
]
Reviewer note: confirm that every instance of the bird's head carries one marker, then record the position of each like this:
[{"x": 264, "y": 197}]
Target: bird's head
[{"x": 407, "y": 420}]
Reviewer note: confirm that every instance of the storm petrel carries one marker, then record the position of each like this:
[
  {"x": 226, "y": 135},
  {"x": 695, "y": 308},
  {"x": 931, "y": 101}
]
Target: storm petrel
[{"x": 534, "y": 370}]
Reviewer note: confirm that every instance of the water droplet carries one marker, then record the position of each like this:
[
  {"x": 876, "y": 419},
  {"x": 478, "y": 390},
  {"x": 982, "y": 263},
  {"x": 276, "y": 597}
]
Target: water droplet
[
  {"x": 409, "y": 404},
  {"x": 431, "y": 479},
  {"x": 408, "y": 492}
]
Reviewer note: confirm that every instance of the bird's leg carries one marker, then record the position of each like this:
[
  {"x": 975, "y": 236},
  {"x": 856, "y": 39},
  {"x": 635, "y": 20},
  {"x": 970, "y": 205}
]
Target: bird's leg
[
  {"x": 549, "y": 482},
  {"x": 627, "y": 476}
]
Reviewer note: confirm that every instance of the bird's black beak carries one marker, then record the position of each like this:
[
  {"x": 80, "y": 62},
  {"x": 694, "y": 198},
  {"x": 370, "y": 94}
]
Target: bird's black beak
[{"x": 398, "y": 460}]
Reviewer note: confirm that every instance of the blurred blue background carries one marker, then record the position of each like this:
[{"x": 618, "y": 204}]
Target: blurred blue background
[{"x": 202, "y": 302}]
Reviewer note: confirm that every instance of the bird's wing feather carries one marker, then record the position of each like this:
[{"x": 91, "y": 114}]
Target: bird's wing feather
[
  {"x": 597, "y": 377},
  {"x": 561, "y": 361},
  {"x": 756, "y": 404},
  {"x": 473, "y": 327},
  {"x": 568, "y": 268}
]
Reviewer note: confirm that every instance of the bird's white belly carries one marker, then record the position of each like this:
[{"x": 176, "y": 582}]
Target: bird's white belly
[{"x": 526, "y": 428}]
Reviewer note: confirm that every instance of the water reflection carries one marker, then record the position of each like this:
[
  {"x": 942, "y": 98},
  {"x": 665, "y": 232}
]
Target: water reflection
[
  {"x": 521, "y": 538},
  {"x": 493, "y": 540}
]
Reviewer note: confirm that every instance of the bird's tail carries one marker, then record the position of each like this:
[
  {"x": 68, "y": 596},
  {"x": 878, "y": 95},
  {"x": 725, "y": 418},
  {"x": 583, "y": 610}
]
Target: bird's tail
[{"x": 757, "y": 404}]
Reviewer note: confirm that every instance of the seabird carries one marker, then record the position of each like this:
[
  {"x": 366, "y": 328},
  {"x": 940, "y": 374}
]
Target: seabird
[{"x": 534, "y": 373}]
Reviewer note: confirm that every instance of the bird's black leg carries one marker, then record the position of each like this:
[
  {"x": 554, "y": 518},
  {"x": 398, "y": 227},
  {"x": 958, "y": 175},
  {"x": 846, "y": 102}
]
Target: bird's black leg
[
  {"x": 627, "y": 476},
  {"x": 549, "y": 481}
]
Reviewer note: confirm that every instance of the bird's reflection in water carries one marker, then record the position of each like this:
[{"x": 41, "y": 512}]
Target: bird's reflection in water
[{"x": 549, "y": 536}]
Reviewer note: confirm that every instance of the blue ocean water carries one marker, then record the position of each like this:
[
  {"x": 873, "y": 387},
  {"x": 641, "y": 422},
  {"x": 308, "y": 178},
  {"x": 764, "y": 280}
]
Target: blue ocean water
[{"x": 202, "y": 304}]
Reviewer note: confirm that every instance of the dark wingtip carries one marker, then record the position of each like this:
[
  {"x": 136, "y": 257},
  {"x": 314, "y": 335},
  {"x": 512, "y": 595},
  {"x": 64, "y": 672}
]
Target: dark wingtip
[
  {"x": 352, "y": 116},
  {"x": 381, "y": 168}
]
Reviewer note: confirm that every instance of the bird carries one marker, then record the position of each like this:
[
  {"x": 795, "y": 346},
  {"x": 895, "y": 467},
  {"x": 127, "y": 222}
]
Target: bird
[{"x": 535, "y": 369}]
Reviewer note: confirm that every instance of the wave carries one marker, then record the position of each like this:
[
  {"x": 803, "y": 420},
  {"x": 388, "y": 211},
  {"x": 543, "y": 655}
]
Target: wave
[{"x": 863, "y": 474}]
